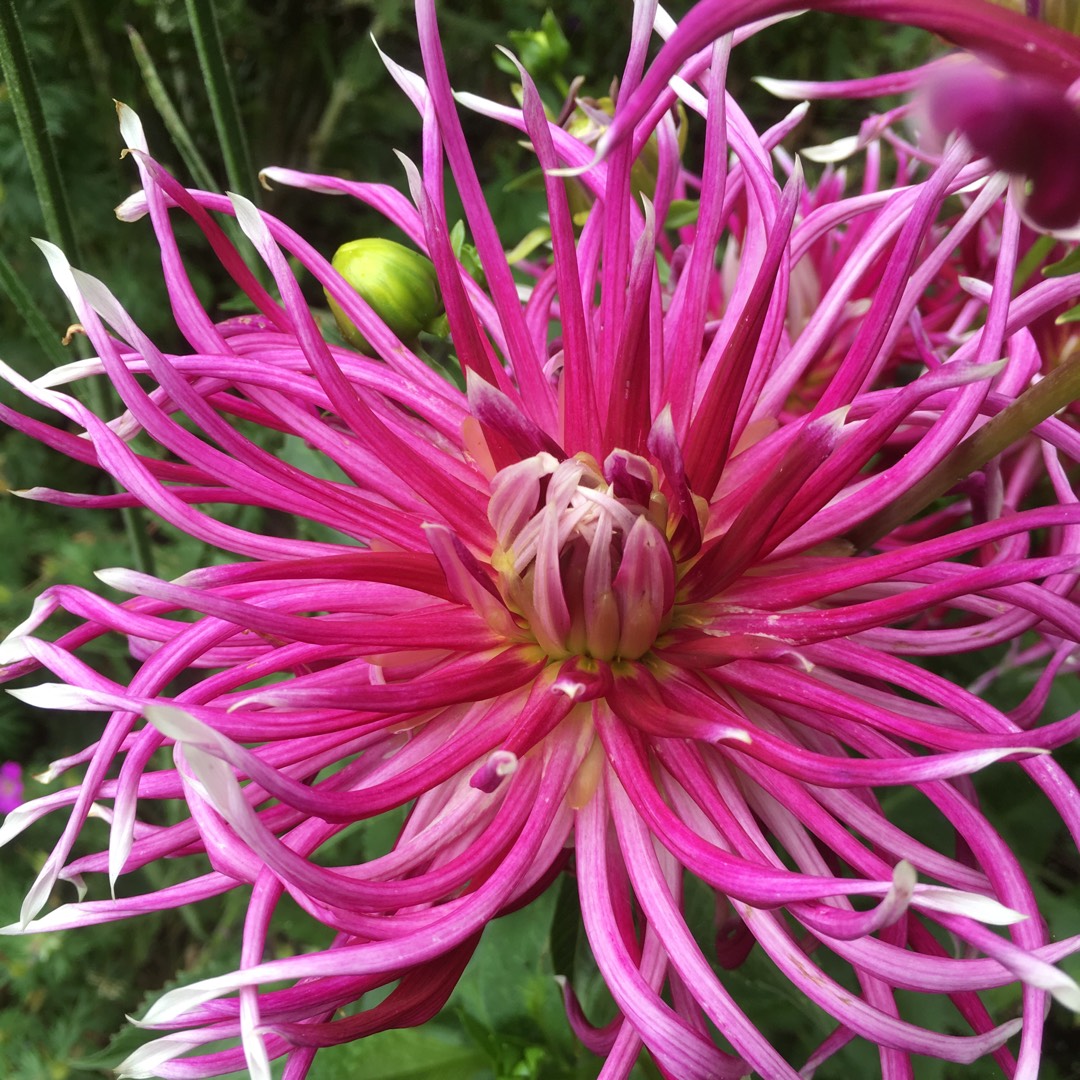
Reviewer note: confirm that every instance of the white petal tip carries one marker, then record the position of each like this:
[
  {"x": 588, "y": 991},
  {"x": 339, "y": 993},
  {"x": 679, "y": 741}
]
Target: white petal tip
[
  {"x": 131, "y": 129},
  {"x": 13, "y": 651},
  {"x": 244, "y": 703},
  {"x": 573, "y": 690},
  {"x": 134, "y": 207},
  {"x": 733, "y": 734},
  {"x": 115, "y": 577},
  {"x": 785, "y": 89},
  {"x": 143, "y": 1063},
  {"x": 975, "y": 906},
  {"x": 174, "y": 723},
  {"x": 573, "y": 170},
  {"x": 832, "y": 152}
]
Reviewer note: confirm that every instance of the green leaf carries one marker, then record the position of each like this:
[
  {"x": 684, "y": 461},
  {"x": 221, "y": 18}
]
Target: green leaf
[
  {"x": 123, "y": 1044},
  {"x": 544, "y": 51},
  {"x": 407, "y": 1054},
  {"x": 1032, "y": 260},
  {"x": 1072, "y": 315},
  {"x": 1068, "y": 265},
  {"x": 682, "y": 212},
  {"x": 457, "y": 237},
  {"x": 529, "y": 243},
  {"x": 467, "y": 254}
]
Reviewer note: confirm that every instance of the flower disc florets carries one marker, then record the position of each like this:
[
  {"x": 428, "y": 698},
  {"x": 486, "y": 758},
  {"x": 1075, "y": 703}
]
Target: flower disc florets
[{"x": 582, "y": 554}]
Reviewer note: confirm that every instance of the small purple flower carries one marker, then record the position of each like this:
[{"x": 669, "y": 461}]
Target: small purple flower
[
  {"x": 598, "y": 613},
  {"x": 11, "y": 786}
]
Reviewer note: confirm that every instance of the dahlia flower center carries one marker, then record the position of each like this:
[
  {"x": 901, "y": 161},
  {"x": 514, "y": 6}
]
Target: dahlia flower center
[{"x": 582, "y": 553}]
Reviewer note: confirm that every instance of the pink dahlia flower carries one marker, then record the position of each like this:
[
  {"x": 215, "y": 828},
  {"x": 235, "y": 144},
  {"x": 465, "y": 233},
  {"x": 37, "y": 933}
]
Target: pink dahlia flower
[{"x": 597, "y": 614}]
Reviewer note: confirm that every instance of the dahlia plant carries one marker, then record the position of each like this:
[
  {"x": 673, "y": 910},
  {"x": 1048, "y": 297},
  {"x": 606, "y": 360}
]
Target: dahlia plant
[{"x": 655, "y": 597}]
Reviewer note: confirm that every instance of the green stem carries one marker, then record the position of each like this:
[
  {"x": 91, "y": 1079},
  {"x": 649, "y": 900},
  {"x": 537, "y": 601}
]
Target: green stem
[
  {"x": 181, "y": 137},
  {"x": 1039, "y": 401},
  {"x": 219, "y": 87},
  {"x": 30, "y": 118},
  {"x": 169, "y": 114},
  {"x": 14, "y": 288},
  {"x": 96, "y": 55},
  {"x": 49, "y": 187},
  {"x": 142, "y": 552},
  {"x": 342, "y": 93}
]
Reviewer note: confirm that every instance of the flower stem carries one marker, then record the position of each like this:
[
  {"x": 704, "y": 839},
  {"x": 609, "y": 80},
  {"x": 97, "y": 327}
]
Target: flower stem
[{"x": 1041, "y": 400}]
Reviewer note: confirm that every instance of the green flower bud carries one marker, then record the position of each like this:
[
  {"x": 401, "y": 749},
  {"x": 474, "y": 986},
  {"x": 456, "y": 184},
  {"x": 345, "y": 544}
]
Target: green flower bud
[
  {"x": 586, "y": 125},
  {"x": 398, "y": 283}
]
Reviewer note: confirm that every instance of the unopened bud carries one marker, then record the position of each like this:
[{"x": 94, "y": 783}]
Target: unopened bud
[
  {"x": 399, "y": 284},
  {"x": 590, "y": 120}
]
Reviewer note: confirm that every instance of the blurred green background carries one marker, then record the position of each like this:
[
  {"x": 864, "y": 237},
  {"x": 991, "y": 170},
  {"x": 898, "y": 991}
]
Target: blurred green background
[{"x": 312, "y": 94}]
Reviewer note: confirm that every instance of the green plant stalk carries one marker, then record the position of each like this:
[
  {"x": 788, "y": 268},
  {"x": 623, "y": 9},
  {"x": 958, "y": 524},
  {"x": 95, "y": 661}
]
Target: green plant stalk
[
  {"x": 174, "y": 125},
  {"x": 52, "y": 197},
  {"x": 342, "y": 93},
  {"x": 1039, "y": 401},
  {"x": 181, "y": 137},
  {"x": 219, "y": 88},
  {"x": 96, "y": 56},
  {"x": 30, "y": 117},
  {"x": 13, "y": 286}
]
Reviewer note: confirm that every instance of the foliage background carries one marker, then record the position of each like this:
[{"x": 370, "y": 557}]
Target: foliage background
[{"x": 313, "y": 95}]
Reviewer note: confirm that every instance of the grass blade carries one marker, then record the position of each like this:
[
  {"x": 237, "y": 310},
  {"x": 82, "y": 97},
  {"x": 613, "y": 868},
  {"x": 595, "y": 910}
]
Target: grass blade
[
  {"x": 177, "y": 129},
  {"x": 219, "y": 88},
  {"x": 29, "y": 116},
  {"x": 42, "y": 330}
]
